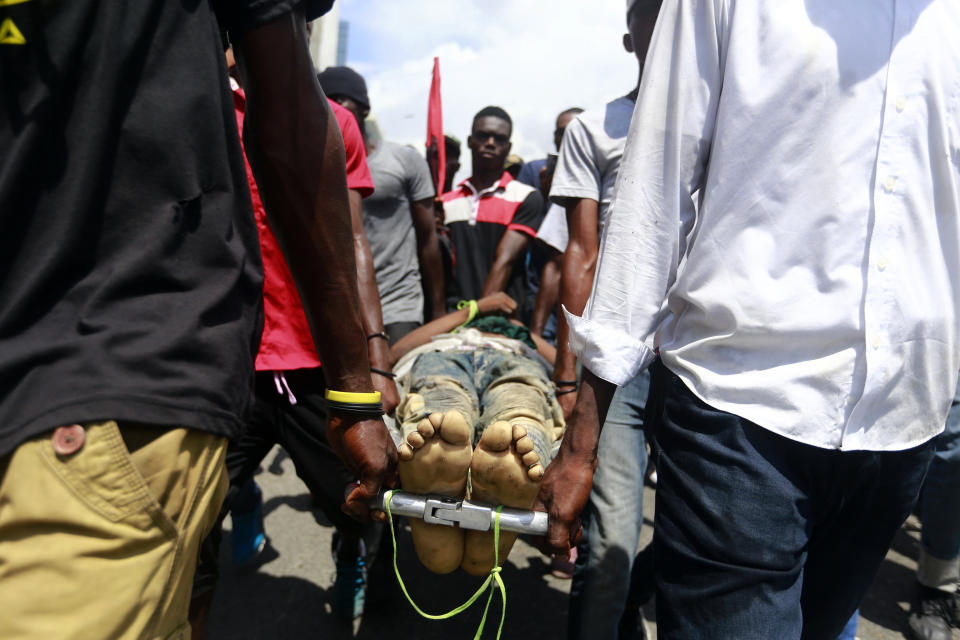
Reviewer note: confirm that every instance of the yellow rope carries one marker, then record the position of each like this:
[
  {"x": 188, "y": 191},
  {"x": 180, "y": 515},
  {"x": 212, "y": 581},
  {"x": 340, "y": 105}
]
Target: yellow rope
[{"x": 493, "y": 580}]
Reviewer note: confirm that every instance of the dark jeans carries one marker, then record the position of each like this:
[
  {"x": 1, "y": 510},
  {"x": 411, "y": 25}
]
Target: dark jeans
[
  {"x": 758, "y": 536},
  {"x": 301, "y": 429}
]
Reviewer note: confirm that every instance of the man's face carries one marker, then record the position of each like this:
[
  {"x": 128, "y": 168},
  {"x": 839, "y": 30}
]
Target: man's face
[
  {"x": 562, "y": 121},
  {"x": 640, "y": 24},
  {"x": 359, "y": 111},
  {"x": 489, "y": 143}
]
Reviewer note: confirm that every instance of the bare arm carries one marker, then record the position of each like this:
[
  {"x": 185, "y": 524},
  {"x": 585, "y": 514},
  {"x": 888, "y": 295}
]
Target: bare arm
[
  {"x": 509, "y": 251},
  {"x": 428, "y": 253},
  {"x": 579, "y": 265},
  {"x": 548, "y": 293},
  {"x": 372, "y": 316},
  {"x": 296, "y": 151}
]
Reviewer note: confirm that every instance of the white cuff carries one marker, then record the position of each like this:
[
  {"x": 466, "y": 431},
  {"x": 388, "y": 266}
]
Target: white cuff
[{"x": 610, "y": 354}]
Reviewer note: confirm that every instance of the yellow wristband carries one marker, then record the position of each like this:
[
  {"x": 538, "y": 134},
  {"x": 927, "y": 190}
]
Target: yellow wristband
[
  {"x": 474, "y": 310},
  {"x": 357, "y": 398}
]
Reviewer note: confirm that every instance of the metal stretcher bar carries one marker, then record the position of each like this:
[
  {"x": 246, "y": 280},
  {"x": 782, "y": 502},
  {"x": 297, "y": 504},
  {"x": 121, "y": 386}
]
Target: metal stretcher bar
[{"x": 469, "y": 515}]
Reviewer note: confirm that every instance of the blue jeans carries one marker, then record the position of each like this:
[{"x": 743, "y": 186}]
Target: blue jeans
[
  {"x": 757, "y": 536},
  {"x": 940, "y": 508},
  {"x": 612, "y": 519}
]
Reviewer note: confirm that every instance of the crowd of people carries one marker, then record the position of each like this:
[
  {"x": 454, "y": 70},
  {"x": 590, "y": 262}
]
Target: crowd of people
[{"x": 744, "y": 271}]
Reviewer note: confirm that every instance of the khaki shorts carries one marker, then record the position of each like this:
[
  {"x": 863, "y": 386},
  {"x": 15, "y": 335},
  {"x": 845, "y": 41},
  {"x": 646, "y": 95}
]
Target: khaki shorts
[{"x": 100, "y": 540}]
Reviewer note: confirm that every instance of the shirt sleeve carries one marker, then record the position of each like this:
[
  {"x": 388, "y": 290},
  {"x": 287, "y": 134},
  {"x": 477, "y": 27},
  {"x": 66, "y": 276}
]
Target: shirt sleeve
[
  {"x": 529, "y": 215},
  {"x": 530, "y": 174},
  {"x": 577, "y": 174},
  {"x": 419, "y": 182},
  {"x": 358, "y": 173},
  {"x": 653, "y": 213},
  {"x": 238, "y": 16}
]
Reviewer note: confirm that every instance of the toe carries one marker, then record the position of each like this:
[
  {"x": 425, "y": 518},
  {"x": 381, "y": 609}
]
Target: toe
[
  {"x": 415, "y": 440},
  {"x": 530, "y": 458},
  {"x": 435, "y": 419},
  {"x": 518, "y": 432},
  {"x": 425, "y": 429},
  {"x": 524, "y": 445},
  {"x": 496, "y": 437},
  {"x": 455, "y": 429},
  {"x": 406, "y": 452},
  {"x": 535, "y": 472}
]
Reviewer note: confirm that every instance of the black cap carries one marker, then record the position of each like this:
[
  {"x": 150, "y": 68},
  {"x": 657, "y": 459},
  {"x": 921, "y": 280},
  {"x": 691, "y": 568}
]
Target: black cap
[{"x": 344, "y": 81}]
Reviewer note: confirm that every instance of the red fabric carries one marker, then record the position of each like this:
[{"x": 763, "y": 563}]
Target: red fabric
[
  {"x": 287, "y": 343},
  {"x": 435, "y": 128}
]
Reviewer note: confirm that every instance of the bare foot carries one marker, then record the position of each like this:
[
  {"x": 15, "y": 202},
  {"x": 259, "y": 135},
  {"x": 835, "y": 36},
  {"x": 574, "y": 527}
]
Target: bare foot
[
  {"x": 505, "y": 470},
  {"x": 435, "y": 459}
]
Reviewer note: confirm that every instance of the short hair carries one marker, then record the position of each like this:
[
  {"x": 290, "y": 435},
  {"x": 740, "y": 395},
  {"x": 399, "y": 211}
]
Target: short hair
[
  {"x": 452, "y": 144},
  {"x": 572, "y": 111},
  {"x": 496, "y": 112}
]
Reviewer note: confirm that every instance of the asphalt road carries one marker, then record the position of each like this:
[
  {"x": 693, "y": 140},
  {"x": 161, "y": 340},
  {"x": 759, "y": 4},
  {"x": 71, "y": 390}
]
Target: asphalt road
[{"x": 286, "y": 596}]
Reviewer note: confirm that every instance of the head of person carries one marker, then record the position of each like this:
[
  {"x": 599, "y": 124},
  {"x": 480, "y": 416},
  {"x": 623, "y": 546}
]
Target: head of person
[
  {"x": 513, "y": 165},
  {"x": 489, "y": 140},
  {"x": 562, "y": 121},
  {"x": 347, "y": 88},
  {"x": 453, "y": 161},
  {"x": 641, "y": 18}
]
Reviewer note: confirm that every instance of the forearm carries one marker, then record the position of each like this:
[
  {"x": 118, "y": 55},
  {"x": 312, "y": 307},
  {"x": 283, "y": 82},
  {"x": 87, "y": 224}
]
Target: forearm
[
  {"x": 422, "y": 335},
  {"x": 370, "y": 310},
  {"x": 300, "y": 170},
  {"x": 582, "y": 435},
  {"x": 498, "y": 277},
  {"x": 578, "y": 270},
  {"x": 431, "y": 270},
  {"x": 547, "y": 295}
]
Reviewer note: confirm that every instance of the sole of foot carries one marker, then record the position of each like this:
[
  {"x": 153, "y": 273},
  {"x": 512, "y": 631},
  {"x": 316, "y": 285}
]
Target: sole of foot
[
  {"x": 505, "y": 470},
  {"x": 435, "y": 459}
]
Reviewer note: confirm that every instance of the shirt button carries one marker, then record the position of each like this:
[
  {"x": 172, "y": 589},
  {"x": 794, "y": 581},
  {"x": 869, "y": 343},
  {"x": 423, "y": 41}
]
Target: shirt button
[
  {"x": 889, "y": 184},
  {"x": 68, "y": 439},
  {"x": 901, "y": 104},
  {"x": 882, "y": 263}
]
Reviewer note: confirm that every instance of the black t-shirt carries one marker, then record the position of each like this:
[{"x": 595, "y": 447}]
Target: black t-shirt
[
  {"x": 130, "y": 275},
  {"x": 477, "y": 223}
]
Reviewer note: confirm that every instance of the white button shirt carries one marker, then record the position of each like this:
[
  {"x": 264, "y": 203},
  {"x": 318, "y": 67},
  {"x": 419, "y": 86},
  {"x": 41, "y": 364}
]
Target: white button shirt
[{"x": 815, "y": 290}]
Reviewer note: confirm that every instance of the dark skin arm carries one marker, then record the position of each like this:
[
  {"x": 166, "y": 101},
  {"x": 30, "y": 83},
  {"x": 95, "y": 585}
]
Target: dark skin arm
[
  {"x": 579, "y": 266},
  {"x": 296, "y": 151},
  {"x": 566, "y": 484},
  {"x": 428, "y": 253},
  {"x": 378, "y": 349},
  {"x": 548, "y": 294},
  {"x": 509, "y": 250}
]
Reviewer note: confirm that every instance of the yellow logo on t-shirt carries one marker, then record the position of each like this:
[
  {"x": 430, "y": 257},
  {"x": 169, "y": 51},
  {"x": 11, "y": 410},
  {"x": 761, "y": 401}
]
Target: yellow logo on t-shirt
[{"x": 10, "y": 34}]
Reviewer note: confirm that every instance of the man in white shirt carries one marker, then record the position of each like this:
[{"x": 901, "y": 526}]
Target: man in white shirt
[
  {"x": 583, "y": 184},
  {"x": 806, "y": 313}
]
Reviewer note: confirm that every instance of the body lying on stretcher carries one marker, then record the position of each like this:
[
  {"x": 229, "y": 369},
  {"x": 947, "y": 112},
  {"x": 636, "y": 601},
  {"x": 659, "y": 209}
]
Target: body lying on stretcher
[{"x": 478, "y": 419}]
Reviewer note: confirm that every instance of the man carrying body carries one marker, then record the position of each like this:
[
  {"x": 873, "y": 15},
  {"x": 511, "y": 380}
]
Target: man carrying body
[
  {"x": 398, "y": 218},
  {"x": 806, "y": 313},
  {"x": 583, "y": 184},
  {"x": 491, "y": 216},
  {"x": 131, "y": 296}
]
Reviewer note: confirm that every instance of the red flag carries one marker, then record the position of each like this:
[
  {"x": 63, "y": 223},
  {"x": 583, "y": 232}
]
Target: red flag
[{"x": 436, "y": 146}]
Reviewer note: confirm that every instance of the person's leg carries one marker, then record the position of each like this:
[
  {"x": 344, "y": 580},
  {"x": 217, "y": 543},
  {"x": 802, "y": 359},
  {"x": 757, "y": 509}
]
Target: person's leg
[
  {"x": 869, "y": 496},
  {"x": 519, "y": 414},
  {"x": 613, "y": 519},
  {"x": 934, "y": 609},
  {"x": 437, "y": 418},
  {"x": 100, "y": 540}
]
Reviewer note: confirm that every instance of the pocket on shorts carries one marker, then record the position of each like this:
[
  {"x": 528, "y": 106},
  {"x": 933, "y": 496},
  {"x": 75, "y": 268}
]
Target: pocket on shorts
[{"x": 102, "y": 475}]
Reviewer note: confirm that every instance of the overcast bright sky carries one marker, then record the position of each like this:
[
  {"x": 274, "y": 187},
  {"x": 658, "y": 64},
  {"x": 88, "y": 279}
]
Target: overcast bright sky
[{"x": 534, "y": 58}]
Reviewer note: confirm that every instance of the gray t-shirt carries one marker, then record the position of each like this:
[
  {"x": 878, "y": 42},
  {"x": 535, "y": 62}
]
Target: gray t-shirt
[
  {"x": 400, "y": 177},
  {"x": 590, "y": 157}
]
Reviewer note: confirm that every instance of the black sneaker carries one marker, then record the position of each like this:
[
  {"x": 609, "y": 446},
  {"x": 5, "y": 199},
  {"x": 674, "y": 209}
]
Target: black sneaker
[{"x": 932, "y": 614}]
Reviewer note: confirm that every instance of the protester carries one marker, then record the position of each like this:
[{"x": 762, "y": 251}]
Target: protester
[
  {"x": 806, "y": 313},
  {"x": 398, "y": 219},
  {"x": 936, "y": 608},
  {"x": 129, "y": 296},
  {"x": 491, "y": 216},
  {"x": 289, "y": 410},
  {"x": 583, "y": 183}
]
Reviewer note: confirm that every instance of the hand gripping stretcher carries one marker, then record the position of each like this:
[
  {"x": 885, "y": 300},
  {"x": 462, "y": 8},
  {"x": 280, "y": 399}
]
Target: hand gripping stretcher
[{"x": 442, "y": 510}]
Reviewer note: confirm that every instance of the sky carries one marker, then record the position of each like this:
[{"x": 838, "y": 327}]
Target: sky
[{"x": 534, "y": 58}]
